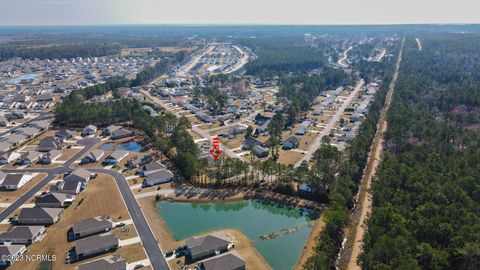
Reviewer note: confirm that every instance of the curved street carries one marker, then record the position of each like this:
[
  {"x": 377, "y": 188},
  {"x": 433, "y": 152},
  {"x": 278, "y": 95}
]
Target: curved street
[{"x": 149, "y": 242}]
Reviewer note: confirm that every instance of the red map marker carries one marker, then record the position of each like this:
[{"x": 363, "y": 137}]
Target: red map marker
[{"x": 216, "y": 152}]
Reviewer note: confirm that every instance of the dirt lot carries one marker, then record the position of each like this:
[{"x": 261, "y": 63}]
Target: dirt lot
[
  {"x": 94, "y": 201},
  {"x": 234, "y": 142},
  {"x": 305, "y": 140},
  {"x": 289, "y": 157}
]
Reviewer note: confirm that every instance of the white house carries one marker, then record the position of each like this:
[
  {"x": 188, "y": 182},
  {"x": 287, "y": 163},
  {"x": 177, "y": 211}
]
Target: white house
[
  {"x": 89, "y": 130},
  {"x": 13, "y": 181},
  {"x": 115, "y": 157}
]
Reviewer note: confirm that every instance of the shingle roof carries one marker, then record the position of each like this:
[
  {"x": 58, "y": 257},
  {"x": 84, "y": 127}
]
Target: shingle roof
[
  {"x": 226, "y": 261},
  {"x": 21, "y": 232},
  {"x": 95, "y": 242},
  {"x": 38, "y": 213},
  {"x": 107, "y": 263},
  {"x": 90, "y": 223},
  {"x": 200, "y": 244}
]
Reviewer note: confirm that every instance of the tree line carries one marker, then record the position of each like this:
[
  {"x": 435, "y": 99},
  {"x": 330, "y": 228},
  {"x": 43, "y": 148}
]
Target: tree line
[{"x": 426, "y": 194}]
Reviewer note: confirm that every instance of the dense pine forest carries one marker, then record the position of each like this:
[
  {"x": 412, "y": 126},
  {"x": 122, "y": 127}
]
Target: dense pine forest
[{"x": 426, "y": 194}]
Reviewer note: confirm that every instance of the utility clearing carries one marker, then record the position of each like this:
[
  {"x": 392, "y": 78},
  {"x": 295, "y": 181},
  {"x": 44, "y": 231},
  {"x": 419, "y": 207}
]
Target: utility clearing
[{"x": 359, "y": 218}]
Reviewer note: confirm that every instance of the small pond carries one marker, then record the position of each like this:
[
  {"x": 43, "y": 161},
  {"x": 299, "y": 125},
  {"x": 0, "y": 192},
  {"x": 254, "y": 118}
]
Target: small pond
[{"x": 253, "y": 218}]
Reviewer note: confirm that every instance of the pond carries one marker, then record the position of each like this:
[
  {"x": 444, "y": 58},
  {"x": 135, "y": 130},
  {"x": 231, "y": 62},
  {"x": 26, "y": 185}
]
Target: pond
[
  {"x": 130, "y": 146},
  {"x": 18, "y": 79},
  {"x": 253, "y": 218}
]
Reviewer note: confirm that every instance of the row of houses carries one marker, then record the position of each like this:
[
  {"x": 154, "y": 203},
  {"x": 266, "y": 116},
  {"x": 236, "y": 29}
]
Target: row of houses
[
  {"x": 115, "y": 132},
  {"x": 22, "y": 134}
]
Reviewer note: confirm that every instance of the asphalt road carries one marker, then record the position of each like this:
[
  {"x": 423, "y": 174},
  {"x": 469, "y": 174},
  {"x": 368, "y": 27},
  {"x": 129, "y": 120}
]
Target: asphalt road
[
  {"x": 154, "y": 252},
  {"x": 148, "y": 239}
]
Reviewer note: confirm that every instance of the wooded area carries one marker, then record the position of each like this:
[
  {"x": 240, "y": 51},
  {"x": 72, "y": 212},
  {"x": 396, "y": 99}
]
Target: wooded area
[{"x": 426, "y": 193}]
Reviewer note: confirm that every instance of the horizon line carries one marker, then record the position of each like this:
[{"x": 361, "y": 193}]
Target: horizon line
[{"x": 237, "y": 24}]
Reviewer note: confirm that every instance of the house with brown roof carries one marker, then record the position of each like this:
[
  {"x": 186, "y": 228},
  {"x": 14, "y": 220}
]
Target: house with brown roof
[
  {"x": 111, "y": 262},
  {"x": 10, "y": 251},
  {"x": 54, "y": 200},
  {"x": 94, "y": 245},
  {"x": 207, "y": 246},
  {"x": 21, "y": 235},
  {"x": 91, "y": 226},
  {"x": 38, "y": 215},
  {"x": 226, "y": 261}
]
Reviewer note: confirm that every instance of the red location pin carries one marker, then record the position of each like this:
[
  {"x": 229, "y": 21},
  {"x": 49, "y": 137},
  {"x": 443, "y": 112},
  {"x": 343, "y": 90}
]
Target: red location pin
[{"x": 216, "y": 152}]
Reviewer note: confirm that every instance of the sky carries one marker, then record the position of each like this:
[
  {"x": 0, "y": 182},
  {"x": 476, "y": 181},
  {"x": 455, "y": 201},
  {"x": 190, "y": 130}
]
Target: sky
[{"x": 99, "y": 12}]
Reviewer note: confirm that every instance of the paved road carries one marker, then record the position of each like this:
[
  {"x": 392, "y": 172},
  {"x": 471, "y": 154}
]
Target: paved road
[
  {"x": 148, "y": 239},
  {"x": 51, "y": 173},
  {"x": 338, "y": 113},
  {"x": 154, "y": 252}
]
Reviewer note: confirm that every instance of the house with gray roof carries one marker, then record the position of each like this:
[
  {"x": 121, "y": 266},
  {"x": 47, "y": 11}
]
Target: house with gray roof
[
  {"x": 14, "y": 181},
  {"x": 54, "y": 200},
  {"x": 290, "y": 143},
  {"x": 41, "y": 125},
  {"x": 91, "y": 226},
  {"x": 260, "y": 151},
  {"x": 157, "y": 178},
  {"x": 151, "y": 168},
  {"x": 111, "y": 262},
  {"x": 50, "y": 143},
  {"x": 5, "y": 146},
  {"x": 28, "y": 158},
  {"x": 108, "y": 130},
  {"x": 7, "y": 157},
  {"x": 227, "y": 261},
  {"x": 89, "y": 130},
  {"x": 204, "y": 117},
  {"x": 64, "y": 134},
  {"x": 115, "y": 157},
  {"x": 38, "y": 215},
  {"x": 69, "y": 187},
  {"x": 95, "y": 245},
  {"x": 139, "y": 160},
  {"x": 29, "y": 132},
  {"x": 93, "y": 156},
  {"x": 21, "y": 235},
  {"x": 207, "y": 246},
  {"x": 79, "y": 174},
  {"x": 10, "y": 251},
  {"x": 14, "y": 139},
  {"x": 121, "y": 133},
  {"x": 50, "y": 157}
]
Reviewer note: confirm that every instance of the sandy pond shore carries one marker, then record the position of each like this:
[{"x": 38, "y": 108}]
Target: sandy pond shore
[{"x": 244, "y": 245}]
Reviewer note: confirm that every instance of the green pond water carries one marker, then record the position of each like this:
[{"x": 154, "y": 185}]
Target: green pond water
[{"x": 253, "y": 218}]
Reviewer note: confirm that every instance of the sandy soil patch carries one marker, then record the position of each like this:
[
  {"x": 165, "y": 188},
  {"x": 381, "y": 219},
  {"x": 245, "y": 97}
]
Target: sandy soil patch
[
  {"x": 243, "y": 245},
  {"x": 289, "y": 157}
]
